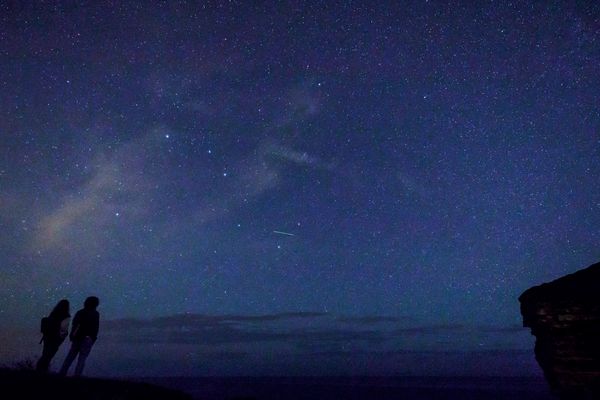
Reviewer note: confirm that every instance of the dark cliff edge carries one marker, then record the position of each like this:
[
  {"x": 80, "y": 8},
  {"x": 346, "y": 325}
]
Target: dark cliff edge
[
  {"x": 564, "y": 316},
  {"x": 31, "y": 385}
]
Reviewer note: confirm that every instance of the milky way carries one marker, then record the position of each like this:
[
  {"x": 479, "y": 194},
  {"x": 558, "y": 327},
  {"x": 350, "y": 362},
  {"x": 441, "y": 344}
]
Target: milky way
[{"x": 369, "y": 187}]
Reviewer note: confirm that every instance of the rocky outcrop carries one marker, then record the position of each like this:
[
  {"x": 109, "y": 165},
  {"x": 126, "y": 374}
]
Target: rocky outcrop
[{"x": 564, "y": 316}]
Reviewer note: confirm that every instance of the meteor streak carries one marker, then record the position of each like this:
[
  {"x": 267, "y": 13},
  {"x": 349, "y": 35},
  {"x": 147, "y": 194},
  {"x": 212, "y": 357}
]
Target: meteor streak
[{"x": 283, "y": 233}]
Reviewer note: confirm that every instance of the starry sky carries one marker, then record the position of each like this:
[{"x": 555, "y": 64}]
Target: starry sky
[{"x": 315, "y": 188}]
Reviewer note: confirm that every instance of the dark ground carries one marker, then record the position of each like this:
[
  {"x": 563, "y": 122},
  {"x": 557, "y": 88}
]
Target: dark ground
[
  {"x": 349, "y": 388},
  {"x": 16, "y": 384},
  {"x": 30, "y": 385}
]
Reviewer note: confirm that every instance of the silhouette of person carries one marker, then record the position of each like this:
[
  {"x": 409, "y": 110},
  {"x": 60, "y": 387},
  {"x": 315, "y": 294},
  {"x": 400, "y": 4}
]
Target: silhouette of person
[
  {"x": 56, "y": 331},
  {"x": 84, "y": 332}
]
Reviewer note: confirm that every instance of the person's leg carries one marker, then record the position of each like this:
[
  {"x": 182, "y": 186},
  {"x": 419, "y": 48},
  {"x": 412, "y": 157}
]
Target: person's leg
[
  {"x": 84, "y": 351},
  {"x": 70, "y": 357},
  {"x": 42, "y": 364},
  {"x": 44, "y": 361},
  {"x": 53, "y": 350},
  {"x": 50, "y": 349}
]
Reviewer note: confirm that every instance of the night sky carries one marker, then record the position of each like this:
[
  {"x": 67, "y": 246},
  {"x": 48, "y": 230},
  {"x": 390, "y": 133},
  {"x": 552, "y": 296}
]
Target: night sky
[{"x": 295, "y": 188}]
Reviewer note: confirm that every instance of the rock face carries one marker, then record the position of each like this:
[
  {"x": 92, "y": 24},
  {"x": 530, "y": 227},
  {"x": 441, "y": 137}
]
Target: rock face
[{"x": 564, "y": 316}]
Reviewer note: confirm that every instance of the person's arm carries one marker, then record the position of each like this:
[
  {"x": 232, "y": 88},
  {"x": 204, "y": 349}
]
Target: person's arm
[
  {"x": 95, "y": 327},
  {"x": 75, "y": 325},
  {"x": 64, "y": 327}
]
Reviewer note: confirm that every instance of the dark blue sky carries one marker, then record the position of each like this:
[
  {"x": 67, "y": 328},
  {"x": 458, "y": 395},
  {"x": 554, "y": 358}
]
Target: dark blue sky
[{"x": 357, "y": 188}]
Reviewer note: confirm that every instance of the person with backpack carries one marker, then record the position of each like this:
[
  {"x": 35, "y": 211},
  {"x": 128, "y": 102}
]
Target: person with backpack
[
  {"x": 84, "y": 332},
  {"x": 54, "y": 328}
]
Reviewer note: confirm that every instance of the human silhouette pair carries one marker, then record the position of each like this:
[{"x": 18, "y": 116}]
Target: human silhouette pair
[{"x": 83, "y": 335}]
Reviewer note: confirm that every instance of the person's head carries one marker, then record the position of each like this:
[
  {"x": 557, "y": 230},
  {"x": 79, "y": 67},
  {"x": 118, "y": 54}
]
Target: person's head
[
  {"x": 62, "y": 307},
  {"x": 91, "y": 302}
]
